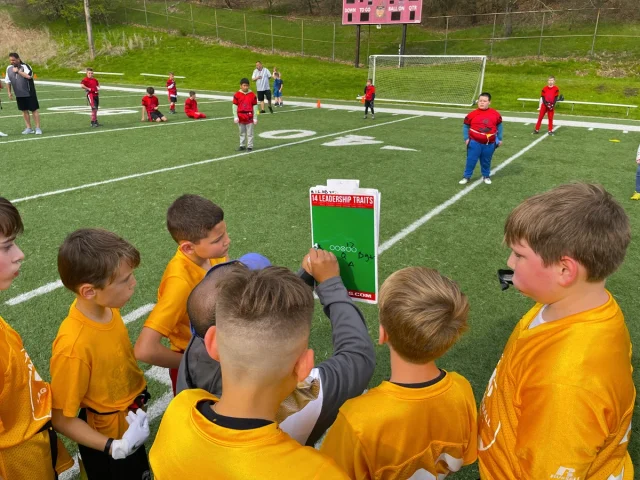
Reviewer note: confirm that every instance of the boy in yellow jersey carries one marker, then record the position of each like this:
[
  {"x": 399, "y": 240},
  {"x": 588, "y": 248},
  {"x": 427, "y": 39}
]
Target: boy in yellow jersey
[
  {"x": 29, "y": 449},
  {"x": 422, "y": 422},
  {"x": 261, "y": 336},
  {"x": 198, "y": 227},
  {"x": 93, "y": 369},
  {"x": 560, "y": 401}
]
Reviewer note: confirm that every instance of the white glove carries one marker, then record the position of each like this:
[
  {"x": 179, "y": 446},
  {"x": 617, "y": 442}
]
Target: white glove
[
  {"x": 255, "y": 121},
  {"x": 134, "y": 437},
  {"x": 236, "y": 120}
]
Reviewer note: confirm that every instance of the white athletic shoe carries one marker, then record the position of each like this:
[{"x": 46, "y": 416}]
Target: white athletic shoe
[
  {"x": 27, "y": 131},
  {"x": 486, "y": 180},
  {"x": 38, "y": 131},
  {"x": 3, "y": 134},
  {"x": 464, "y": 181}
]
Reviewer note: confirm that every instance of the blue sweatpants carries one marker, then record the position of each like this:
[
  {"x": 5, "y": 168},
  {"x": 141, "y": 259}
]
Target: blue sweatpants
[
  {"x": 638, "y": 179},
  {"x": 479, "y": 151}
]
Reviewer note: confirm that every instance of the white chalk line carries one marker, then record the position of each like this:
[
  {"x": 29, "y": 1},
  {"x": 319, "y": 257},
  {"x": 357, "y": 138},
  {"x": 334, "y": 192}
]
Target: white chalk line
[{"x": 49, "y": 287}]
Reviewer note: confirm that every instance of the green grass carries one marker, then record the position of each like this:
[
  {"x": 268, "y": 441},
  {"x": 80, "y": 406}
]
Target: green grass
[{"x": 265, "y": 198}]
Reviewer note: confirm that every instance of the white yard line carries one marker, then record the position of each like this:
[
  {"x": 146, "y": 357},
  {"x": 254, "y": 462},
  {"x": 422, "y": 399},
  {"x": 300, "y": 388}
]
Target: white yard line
[
  {"x": 137, "y": 313},
  {"x": 81, "y": 96},
  {"x": 202, "y": 162},
  {"x": 49, "y": 287},
  {"x": 443, "y": 206}
]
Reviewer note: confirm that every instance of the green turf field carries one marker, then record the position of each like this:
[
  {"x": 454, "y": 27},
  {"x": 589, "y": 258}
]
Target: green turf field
[{"x": 124, "y": 175}]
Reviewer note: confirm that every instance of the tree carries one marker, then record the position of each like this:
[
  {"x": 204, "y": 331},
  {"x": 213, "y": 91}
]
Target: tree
[
  {"x": 87, "y": 17},
  {"x": 508, "y": 21}
]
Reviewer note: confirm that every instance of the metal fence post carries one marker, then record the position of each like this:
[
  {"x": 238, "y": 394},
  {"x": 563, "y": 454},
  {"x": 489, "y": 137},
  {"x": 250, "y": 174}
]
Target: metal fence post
[
  {"x": 166, "y": 11},
  {"x": 493, "y": 34},
  {"x": 446, "y": 36},
  {"x": 595, "y": 33},
  {"x": 272, "y": 49},
  {"x": 193, "y": 25},
  {"x": 541, "y": 33},
  {"x": 146, "y": 20},
  {"x": 215, "y": 16},
  {"x": 368, "y": 41},
  {"x": 333, "y": 51},
  {"x": 302, "y": 36},
  {"x": 246, "y": 43}
]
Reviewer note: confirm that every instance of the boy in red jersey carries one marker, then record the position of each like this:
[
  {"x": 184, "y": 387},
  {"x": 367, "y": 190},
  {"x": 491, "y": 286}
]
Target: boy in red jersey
[
  {"x": 150, "y": 106},
  {"x": 369, "y": 97},
  {"x": 245, "y": 106},
  {"x": 91, "y": 86},
  {"x": 549, "y": 97},
  {"x": 482, "y": 132},
  {"x": 172, "y": 91},
  {"x": 191, "y": 107}
]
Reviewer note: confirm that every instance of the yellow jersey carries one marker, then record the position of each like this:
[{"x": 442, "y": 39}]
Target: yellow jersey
[
  {"x": 560, "y": 401},
  {"x": 169, "y": 316},
  {"x": 265, "y": 453},
  {"x": 93, "y": 365},
  {"x": 25, "y": 409},
  {"x": 397, "y": 432}
]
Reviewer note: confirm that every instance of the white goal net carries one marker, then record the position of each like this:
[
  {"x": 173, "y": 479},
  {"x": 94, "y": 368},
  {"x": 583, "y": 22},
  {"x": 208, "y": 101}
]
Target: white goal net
[{"x": 435, "y": 79}]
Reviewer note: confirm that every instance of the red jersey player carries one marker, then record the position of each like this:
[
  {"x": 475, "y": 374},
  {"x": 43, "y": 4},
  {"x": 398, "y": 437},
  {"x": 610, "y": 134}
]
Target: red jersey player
[
  {"x": 369, "y": 97},
  {"x": 91, "y": 87},
  {"x": 549, "y": 97},
  {"x": 150, "y": 107},
  {"x": 191, "y": 107},
  {"x": 172, "y": 91},
  {"x": 245, "y": 106},
  {"x": 482, "y": 133}
]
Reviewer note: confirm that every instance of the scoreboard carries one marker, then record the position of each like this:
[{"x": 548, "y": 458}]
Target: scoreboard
[{"x": 381, "y": 12}]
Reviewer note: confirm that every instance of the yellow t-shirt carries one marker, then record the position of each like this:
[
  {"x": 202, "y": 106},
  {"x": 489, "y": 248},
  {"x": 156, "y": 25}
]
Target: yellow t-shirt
[
  {"x": 397, "y": 432},
  {"x": 169, "y": 316},
  {"x": 25, "y": 408},
  {"x": 92, "y": 365},
  {"x": 560, "y": 401},
  {"x": 188, "y": 445}
]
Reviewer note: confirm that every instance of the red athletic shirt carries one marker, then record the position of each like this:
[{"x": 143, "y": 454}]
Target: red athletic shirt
[
  {"x": 483, "y": 125},
  {"x": 549, "y": 94},
  {"x": 150, "y": 102},
  {"x": 190, "y": 105},
  {"x": 369, "y": 92},
  {"x": 92, "y": 84},
  {"x": 245, "y": 103},
  {"x": 171, "y": 88}
]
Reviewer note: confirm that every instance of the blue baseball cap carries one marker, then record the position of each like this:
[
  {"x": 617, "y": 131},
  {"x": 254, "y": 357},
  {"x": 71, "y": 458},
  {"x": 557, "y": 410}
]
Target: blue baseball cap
[{"x": 253, "y": 261}]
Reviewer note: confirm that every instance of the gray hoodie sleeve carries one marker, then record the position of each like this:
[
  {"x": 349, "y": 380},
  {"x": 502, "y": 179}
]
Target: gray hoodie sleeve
[{"x": 347, "y": 373}]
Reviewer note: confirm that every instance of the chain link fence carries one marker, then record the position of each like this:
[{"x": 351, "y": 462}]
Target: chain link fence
[{"x": 548, "y": 33}]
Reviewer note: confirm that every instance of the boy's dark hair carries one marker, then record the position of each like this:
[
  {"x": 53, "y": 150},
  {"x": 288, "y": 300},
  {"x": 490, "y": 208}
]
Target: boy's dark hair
[
  {"x": 151, "y": 90},
  {"x": 485, "y": 94},
  {"x": 192, "y": 217},
  {"x": 10, "y": 222},
  {"x": 89, "y": 69},
  {"x": 370, "y": 80},
  {"x": 191, "y": 93},
  {"x": 578, "y": 220},
  {"x": 93, "y": 256},
  {"x": 14, "y": 55},
  {"x": 170, "y": 73},
  {"x": 552, "y": 76},
  {"x": 244, "y": 81}
]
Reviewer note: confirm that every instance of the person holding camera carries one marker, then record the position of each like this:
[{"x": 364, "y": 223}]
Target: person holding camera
[{"x": 19, "y": 76}]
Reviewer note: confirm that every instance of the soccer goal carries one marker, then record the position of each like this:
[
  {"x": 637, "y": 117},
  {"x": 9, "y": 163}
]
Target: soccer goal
[{"x": 435, "y": 79}]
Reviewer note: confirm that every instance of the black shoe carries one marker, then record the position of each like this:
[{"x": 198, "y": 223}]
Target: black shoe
[
  {"x": 240, "y": 149},
  {"x": 97, "y": 124},
  {"x": 270, "y": 109},
  {"x": 249, "y": 149},
  {"x": 551, "y": 133},
  {"x": 262, "y": 111},
  {"x": 536, "y": 132}
]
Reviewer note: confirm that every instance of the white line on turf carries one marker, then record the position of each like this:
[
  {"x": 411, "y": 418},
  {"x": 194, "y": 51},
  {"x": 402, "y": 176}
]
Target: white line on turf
[
  {"x": 202, "y": 162},
  {"x": 137, "y": 313},
  {"x": 443, "y": 206},
  {"x": 159, "y": 374},
  {"x": 49, "y": 287},
  {"x": 31, "y": 138},
  {"x": 81, "y": 96}
]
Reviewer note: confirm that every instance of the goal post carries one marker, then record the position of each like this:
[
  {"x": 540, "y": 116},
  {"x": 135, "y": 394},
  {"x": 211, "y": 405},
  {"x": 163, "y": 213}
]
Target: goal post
[{"x": 454, "y": 80}]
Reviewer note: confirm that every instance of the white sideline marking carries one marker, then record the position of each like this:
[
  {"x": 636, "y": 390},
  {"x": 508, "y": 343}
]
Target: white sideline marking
[
  {"x": 443, "y": 118},
  {"x": 202, "y": 162},
  {"x": 591, "y": 129},
  {"x": 402, "y": 149},
  {"x": 625, "y": 131},
  {"x": 49, "y": 287},
  {"x": 402, "y": 111},
  {"x": 137, "y": 313},
  {"x": 159, "y": 374},
  {"x": 443, "y": 206},
  {"x": 82, "y": 95}
]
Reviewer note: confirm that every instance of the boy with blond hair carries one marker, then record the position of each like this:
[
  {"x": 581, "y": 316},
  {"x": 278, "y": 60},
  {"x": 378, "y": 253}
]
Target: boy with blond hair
[
  {"x": 29, "y": 448},
  {"x": 422, "y": 422},
  {"x": 93, "y": 369},
  {"x": 198, "y": 227},
  {"x": 560, "y": 401},
  {"x": 261, "y": 338}
]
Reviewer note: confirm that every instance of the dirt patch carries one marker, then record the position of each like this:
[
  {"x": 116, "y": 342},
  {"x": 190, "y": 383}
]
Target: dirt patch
[
  {"x": 631, "y": 92},
  {"x": 34, "y": 46},
  {"x": 611, "y": 72},
  {"x": 601, "y": 88},
  {"x": 582, "y": 73}
]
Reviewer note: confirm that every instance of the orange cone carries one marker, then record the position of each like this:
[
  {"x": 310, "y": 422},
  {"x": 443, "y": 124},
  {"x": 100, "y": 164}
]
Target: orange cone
[
  {"x": 361, "y": 99},
  {"x": 318, "y": 104}
]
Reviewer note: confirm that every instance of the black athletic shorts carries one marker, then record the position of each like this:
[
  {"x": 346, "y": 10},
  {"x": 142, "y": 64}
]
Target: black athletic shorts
[
  {"x": 96, "y": 101},
  {"x": 173, "y": 98},
  {"x": 264, "y": 93},
  {"x": 156, "y": 114},
  {"x": 28, "y": 103}
]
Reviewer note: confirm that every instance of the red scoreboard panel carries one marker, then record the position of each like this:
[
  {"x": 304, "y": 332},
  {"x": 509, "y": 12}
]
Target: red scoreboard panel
[{"x": 381, "y": 12}]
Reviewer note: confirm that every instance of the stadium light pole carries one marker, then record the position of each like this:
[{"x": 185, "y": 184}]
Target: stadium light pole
[
  {"x": 357, "y": 61},
  {"x": 87, "y": 16}
]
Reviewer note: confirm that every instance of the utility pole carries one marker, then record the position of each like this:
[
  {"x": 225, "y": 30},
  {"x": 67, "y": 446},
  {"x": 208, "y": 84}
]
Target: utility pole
[{"x": 87, "y": 16}]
